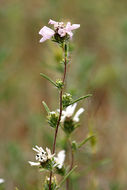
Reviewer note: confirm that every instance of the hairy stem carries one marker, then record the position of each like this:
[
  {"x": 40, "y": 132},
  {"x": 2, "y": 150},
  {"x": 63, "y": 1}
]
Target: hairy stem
[{"x": 60, "y": 99}]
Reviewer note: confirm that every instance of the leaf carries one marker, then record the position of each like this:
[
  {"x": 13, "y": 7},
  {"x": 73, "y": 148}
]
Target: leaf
[
  {"x": 66, "y": 176},
  {"x": 48, "y": 78},
  {"x": 16, "y": 188},
  {"x": 46, "y": 107},
  {"x": 81, "y": 98},
  {"x": 85, "y": 141}
]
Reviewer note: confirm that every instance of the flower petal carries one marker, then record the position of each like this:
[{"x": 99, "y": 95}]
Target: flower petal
[
  {"x": 70, "y": 110},
  {"x": 75, "y": 26},
  {"x": 34, "y": 163},
  {"x": 52, "y": 22},
  {"x": 47, "y": 33},
  {"x": 78, "y": 113},
  {"x": 61, "y": 158}
]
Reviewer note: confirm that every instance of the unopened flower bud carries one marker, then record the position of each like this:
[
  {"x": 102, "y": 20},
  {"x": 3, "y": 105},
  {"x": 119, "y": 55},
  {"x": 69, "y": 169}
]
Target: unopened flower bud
[
  {"x": 74, "y": 145},
  {"x": 53, "y": 119},
  {"x": 59, "y": 84},
  {"x": 66, "y": 99}
]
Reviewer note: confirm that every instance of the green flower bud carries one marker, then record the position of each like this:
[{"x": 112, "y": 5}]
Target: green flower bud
[
  {"x": 59, "y": 84},
  {"x": 74, "y": 145},
  {"x": 66, "y": 99},
  {"x": 53, "y": 119},
  {"x": 53, "y": 184}
]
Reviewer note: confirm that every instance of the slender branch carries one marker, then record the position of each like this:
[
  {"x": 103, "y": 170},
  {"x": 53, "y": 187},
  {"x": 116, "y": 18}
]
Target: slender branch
[
  {"x": 60, "y": 98},
  {"x": 81, "y": 98},
  {"x": 48, "y": 78},
  {"x": 46, "y": 107},
  {"x": 85, "y": 141}
]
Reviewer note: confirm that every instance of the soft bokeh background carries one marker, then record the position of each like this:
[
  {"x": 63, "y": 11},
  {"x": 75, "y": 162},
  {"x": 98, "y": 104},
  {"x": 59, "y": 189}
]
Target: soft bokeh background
[{"x": 98, "y": 66}]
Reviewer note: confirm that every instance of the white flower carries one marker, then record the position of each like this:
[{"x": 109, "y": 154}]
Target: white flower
[
  {"x": 47, "y": 33},
  {"x": 49, "y": 154},
  {"x": 2, "y": 180},
  {"x": 70, "y": 111},
  {"x": 42, "y": 156},
  {"x": 60, "y": 159}
]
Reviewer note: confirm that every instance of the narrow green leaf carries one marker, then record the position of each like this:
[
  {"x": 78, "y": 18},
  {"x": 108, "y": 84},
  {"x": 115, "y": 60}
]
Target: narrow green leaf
[
  {"x": 66, "y": 176},
  {"x": 85, "y": 141},
  {"x": 49, "y": 79},
  {"x": 46, "y": 107},
  {"x": 81, "y": 98}
]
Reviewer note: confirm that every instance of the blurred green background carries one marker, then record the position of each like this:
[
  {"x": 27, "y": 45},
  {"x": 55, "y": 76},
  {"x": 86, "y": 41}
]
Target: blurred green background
[{"x": 98, "y": 66}]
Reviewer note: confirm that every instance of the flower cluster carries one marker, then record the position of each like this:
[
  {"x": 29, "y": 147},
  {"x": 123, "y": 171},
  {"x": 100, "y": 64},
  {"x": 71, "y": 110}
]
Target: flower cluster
[
  {"x": 69, "y": 112},
  {"x": 60, "y": 31},
  {"x": 46, "y": 158},
  {"x": 70, "y": 120}
]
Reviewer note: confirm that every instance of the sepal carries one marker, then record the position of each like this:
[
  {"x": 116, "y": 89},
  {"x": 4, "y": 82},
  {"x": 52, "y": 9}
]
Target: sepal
[
  {"x": 69, "y": 126},
  {"x": 61, "y": 171}
]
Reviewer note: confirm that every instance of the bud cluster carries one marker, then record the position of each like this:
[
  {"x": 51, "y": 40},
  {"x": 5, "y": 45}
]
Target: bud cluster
[
  {"x": 66, "y": 100},
  {"x": 53, "y": 118}
]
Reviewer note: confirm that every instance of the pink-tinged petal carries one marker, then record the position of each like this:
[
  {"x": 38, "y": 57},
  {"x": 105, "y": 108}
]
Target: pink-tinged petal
[
  {"x": 62, "y": 32},
  {"x": 43, "y": 40},
  {"x": 70, "y": 34},
  {"x": 75, "y": 26},
  {"x": 70, "y": 27},
  {"x": 47, "y": 33},
  {"x": 52, "y": 22}
]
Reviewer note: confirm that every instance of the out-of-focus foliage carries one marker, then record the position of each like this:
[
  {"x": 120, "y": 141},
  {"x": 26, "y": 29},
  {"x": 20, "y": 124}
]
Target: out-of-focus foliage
[{"x": 98, "y": 66}]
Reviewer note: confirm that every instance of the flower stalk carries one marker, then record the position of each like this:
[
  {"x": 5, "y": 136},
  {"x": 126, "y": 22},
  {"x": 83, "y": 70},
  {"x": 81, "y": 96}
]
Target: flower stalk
[{"x": 60, "y": 114}]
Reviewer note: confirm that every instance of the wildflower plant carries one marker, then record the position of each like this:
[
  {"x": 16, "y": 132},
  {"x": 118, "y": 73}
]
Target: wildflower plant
[{"x": 65, "y": 118}]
